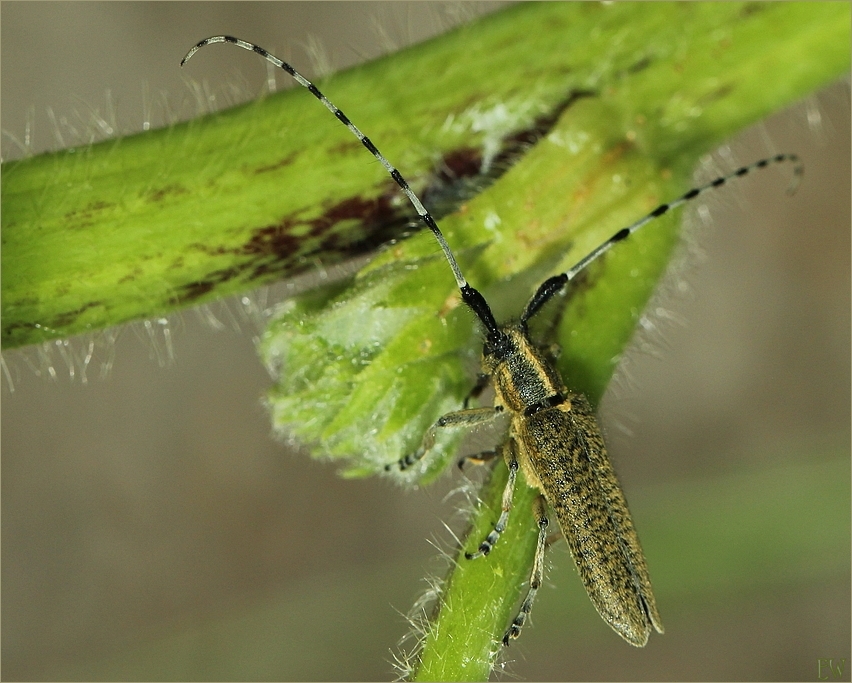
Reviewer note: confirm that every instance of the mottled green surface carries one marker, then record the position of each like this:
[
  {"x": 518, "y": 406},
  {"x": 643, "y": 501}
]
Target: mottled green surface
[{"x": 96, "y": 236}]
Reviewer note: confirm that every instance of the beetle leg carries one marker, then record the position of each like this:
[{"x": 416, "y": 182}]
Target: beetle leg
[
  {"x": 537, "y": 575},
  {"x": 459, "y": 418},
  {"x": 508, "y": 493},
  {"x": 482, "y": 381},
  {"x": 477, "y": 458}
]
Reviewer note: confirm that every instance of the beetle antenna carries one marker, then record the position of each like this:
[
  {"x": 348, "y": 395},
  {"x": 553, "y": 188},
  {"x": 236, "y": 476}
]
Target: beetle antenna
[
  {"x": 555, "y": 284},
  {"x": 470, "y": 295}
]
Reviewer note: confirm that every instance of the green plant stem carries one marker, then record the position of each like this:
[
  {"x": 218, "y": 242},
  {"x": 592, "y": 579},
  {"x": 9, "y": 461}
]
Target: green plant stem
[{"x": 139, "y": 227}]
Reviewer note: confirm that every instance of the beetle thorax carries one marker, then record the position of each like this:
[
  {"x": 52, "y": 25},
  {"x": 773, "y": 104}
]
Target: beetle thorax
[{"x": 522, "y": 377}]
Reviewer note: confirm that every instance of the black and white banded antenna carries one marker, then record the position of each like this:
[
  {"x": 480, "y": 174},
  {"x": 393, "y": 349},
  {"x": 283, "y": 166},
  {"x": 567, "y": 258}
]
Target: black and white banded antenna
[
  {"x": 471, "y": 296},
  {"x": 554, "y": 284}
]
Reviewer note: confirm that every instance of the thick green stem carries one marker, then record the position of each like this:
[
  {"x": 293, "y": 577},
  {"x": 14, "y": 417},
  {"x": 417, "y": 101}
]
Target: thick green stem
[{"x": 137, "y": 227}]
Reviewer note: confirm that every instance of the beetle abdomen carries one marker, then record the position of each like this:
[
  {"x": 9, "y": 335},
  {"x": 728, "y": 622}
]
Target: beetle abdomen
[{"x": 563, "y": 448}]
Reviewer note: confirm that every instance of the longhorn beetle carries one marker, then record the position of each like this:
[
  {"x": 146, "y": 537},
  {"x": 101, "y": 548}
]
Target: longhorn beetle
[{"x": 553, "y": 437}]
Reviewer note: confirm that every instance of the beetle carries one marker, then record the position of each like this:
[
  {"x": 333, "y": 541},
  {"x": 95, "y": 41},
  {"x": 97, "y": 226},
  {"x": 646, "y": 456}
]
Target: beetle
[{"x": 553, "y": 436}]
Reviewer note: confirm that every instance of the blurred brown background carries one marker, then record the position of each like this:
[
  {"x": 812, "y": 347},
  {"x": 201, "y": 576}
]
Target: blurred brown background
[{"x": 152, "y": 529}]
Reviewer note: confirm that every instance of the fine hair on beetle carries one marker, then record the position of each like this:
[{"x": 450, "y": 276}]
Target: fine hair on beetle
[{"x": 553, "y": 435}]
